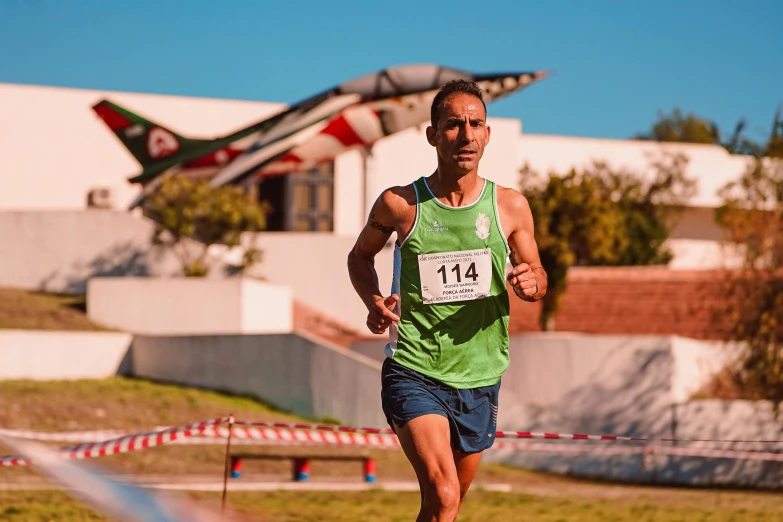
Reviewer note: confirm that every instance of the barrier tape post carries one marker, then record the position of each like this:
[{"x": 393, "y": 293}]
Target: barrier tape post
[{"x": 227, "y": 465}]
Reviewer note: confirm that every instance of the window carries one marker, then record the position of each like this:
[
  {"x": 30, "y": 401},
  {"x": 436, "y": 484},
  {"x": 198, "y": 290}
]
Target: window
[{"x": 300, "y": 201}]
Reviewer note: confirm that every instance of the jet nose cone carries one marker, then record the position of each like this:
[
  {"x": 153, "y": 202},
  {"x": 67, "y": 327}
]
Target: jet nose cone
[{"x": 501, "y": 84}]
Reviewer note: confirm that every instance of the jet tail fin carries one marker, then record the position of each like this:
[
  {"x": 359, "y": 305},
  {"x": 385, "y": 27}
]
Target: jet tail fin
[{"x": 148, "y": 141}]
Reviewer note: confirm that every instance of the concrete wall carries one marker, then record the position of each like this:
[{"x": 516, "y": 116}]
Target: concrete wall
[
  {"x": 292, "y": 372},
  {"x": 582, "y": 383},
  {"x": 703, "y": 254},
  {"x": 315, "y": 266},
  {"x": 695, "y": 362},
  {"x": 350, "y": 187},
  {"x": 708, "y": 419},
  {"x": 57, "y": 251},
  {"x": 370, "y": 348},
  {"x": 697, "y": 223},
  {"x": 177, "y": 306},
  {"x": 60, "y": 251},
  {"x": 48, "y": 355},
  {"x": 697, "y": 242}
]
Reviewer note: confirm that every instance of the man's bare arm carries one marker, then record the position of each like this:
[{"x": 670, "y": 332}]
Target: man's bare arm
[
  {"x": 389, "y": 214},
  {"x": 527, "y": 277},
  {"x": 361, "y": 259}
]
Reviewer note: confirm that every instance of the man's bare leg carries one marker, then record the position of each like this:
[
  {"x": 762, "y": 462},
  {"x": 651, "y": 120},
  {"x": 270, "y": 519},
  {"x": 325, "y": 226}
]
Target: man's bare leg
[
  {"x": 426, "y": 442},
  {"x": 466, "y": 464}
]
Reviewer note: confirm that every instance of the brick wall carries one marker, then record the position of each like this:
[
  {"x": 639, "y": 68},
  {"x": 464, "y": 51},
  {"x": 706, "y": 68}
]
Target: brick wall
[{"x": 633, "y": 301}]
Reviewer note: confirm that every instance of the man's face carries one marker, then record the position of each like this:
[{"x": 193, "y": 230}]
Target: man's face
[{"x": 461, "y": 134}]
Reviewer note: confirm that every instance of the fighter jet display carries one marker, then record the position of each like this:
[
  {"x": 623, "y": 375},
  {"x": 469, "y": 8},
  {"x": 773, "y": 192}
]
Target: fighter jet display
[{"x": 356, "y": 113}]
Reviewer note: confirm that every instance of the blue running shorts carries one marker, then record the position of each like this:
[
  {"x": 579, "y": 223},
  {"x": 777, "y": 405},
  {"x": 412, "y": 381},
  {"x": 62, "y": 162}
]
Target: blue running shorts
[{"x": 472, "y": 413}]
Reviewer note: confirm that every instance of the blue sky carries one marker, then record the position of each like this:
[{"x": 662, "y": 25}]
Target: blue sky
[{"x": 616, "y": 63}]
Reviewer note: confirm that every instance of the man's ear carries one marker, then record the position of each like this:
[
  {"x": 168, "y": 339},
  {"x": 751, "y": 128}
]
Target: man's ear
[
  {"x": 488, "y": 133},
  {"x": 431, "y": 135}
]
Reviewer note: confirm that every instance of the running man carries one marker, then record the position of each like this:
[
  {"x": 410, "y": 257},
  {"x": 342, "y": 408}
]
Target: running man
[{"x": 449, "y": 308}]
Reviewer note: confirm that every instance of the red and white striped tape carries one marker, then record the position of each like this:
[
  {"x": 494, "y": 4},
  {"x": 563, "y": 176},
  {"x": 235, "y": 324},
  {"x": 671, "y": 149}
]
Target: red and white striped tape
[
  {"x": 314, "y": 437},
  {"x": 211, "y": 432},
  {"x": 631, "y": 450},
  {"x": 102, "y": 435},
  {"x": 286, "y": 436},
  {"x": 568, "y": 448},
  {"x": 499, "y": 434},
  {"x": 125, "y": 444}
]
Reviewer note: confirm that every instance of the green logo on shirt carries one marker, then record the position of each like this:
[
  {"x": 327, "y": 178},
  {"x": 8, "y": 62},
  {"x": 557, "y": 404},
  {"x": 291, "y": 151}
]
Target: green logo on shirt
[{"x": 436, "y": 227}]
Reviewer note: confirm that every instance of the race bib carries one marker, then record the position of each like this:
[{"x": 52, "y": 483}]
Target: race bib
[{"x": 455, "y": 276}]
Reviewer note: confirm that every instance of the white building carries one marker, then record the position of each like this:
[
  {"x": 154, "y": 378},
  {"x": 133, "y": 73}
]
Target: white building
[{"x": 57, "y": 150}]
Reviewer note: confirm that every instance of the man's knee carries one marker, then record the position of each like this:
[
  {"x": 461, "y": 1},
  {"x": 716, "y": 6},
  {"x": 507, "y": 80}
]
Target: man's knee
[{"x": 443, "y": 492}]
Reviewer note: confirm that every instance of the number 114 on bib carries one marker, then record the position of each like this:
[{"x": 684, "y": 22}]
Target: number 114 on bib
[{"x": 455, "y": 276}]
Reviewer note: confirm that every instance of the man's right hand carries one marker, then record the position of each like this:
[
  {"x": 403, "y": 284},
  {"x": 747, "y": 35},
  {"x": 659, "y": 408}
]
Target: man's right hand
[{"x": 380, "y": 315}]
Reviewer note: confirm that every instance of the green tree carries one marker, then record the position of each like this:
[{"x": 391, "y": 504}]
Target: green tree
[
  {"x": 191, "y": 215},
  {"x": 603, "y": 217},
  {"x": 774, "y": 148},
  {"x": 679, "y": 127},
  {"x": 752, "y": 217}
]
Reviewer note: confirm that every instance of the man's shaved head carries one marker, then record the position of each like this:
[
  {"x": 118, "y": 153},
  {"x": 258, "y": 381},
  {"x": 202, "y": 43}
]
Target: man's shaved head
[{"x": 451, "y": 88}]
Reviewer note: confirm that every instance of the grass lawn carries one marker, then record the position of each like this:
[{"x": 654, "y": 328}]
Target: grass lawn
[
  {"x": 21, "y": 309},
  {"x": 480, "y": 506},
  {"x": 483, "y": 506}
]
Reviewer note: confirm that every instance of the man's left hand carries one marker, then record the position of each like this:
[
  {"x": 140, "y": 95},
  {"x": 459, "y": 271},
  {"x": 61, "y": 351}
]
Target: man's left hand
[{"x": 523, "y": 280}]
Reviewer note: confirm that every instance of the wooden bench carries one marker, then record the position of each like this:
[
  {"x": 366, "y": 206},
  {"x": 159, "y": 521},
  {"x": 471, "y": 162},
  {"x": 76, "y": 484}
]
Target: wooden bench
[{"x": 301, "y": 463}]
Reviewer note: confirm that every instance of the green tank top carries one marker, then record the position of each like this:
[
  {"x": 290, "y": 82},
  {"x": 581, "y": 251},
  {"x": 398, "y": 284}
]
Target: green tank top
[{"x": 450, "y": 275}]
